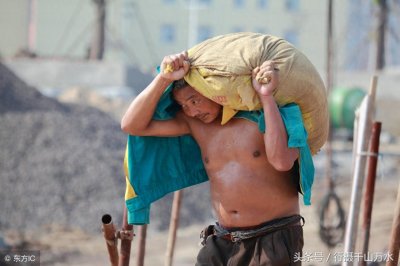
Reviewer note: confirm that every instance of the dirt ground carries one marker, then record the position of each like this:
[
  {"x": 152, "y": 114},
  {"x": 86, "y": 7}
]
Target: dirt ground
[{"x": 62, "y": 247}]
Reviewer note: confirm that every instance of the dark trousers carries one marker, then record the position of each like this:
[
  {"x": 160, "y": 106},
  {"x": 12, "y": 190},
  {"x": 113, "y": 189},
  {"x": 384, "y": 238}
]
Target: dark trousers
[{"x": 280, "y": 247}]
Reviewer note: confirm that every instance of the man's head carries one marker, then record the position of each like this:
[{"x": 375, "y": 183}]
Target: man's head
[{"x": 194, "y": 104}]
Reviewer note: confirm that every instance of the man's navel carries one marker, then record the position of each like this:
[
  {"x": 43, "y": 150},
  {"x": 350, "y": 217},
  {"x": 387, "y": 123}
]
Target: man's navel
[{"x": 256, "y": 154}]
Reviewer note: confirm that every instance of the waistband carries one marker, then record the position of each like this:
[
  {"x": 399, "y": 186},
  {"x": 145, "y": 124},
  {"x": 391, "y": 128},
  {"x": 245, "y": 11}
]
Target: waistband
[{"x": 241, "y": 233}]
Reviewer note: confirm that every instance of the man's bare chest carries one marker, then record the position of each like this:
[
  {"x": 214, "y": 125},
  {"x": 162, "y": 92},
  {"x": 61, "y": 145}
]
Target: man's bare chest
[{"x": 239, "y": 137}]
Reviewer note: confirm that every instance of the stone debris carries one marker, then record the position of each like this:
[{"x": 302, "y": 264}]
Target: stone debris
[{"x": 61, "y": 163}]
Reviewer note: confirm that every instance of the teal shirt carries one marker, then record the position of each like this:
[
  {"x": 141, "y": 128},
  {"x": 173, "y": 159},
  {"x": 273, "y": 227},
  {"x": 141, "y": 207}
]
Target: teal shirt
[{"x": 160, "y": 165}]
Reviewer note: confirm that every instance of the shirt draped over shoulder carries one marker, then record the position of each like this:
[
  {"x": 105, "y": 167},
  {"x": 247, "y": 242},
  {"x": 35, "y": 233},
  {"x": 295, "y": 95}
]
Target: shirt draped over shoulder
[{"x": 155, "y": 166}]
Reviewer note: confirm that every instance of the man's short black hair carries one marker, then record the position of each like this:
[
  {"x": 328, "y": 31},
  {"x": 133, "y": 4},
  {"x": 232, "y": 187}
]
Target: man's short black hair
[{"x": 180, "y": 84}]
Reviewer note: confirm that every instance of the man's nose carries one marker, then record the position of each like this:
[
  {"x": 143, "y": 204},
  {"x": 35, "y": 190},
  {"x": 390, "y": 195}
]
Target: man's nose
[{"x": 192, "y": 112}]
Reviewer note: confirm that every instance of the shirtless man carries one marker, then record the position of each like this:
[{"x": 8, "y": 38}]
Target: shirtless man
[{"x": 251, "y": 174}]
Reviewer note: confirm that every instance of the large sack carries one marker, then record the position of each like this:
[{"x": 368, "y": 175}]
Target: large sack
[{"x": 221, "y": 71}]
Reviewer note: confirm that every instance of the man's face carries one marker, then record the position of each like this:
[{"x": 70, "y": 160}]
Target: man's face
[{"x": 196, "y": 105}]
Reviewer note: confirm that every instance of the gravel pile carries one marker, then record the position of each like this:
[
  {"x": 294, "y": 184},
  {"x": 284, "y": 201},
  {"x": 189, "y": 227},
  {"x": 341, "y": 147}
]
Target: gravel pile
[
  {"x": 62, "y": 164},
  {"x": 58, "y": 163}
]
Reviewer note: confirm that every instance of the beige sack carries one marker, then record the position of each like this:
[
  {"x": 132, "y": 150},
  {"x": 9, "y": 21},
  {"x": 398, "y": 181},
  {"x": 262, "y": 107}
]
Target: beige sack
[{"x": 221, "y": 71}]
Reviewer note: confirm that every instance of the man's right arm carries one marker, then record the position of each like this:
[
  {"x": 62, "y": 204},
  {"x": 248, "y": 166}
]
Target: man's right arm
[{"x": 138, "y": 118}]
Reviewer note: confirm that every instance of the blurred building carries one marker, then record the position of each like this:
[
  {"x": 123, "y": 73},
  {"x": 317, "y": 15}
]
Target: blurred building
[
  {"x": 363, "y": 23},
  {"x": 141, "y": 32}
]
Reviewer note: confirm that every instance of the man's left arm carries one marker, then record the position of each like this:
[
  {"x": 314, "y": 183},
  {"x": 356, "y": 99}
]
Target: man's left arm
[{"x": 280, "y": 156}]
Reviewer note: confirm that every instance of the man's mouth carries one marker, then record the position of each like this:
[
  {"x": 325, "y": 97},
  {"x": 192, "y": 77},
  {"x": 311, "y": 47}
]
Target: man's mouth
[{"x": 202, "y": 117}]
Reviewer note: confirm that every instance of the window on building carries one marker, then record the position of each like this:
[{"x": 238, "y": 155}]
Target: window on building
[
  {"x": 292, "y": 36},
  {"x": 238, "y": 3},
  {"x": 167, "y": 33},
  {"x": 204, "y": 33},
  {"x": 292, "y": 5},
  {"x": 262, "y": 4}
]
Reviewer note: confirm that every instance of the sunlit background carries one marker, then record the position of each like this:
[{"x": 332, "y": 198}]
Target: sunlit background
[{"x": 86, "y": 54}]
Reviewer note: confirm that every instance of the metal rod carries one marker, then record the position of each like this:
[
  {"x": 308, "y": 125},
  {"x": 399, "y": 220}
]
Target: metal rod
[
  {"x": 329, "y": 48},
  {"x": 367, "y": 110},
  {"x": 126, "y": 242},
  {"x": 329, "y": 82},
  {"x": 142, "y": 233},
  {"x": 394, "y": 245},
  {"x": 370, "y": 187},
  {"x": 111, "y": 238},
  {"x": 173, "y": 226}
]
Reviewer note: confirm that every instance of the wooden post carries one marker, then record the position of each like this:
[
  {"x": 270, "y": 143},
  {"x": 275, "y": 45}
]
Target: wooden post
[
  {"x": 381, "y": 34},
  {"x": 142, "y": 233},
  {"x": 370, "y": 186},
  {"x": 32, "y": 26},
  {"x": 394, "y": 246},
  {"x": 97, "y": 45},
  {"x": 366, "y": 110},
  {"x": 173, "y": 226}
]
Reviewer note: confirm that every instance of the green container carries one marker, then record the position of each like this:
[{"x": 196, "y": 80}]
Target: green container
[{"x": 343, "y": 102}]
